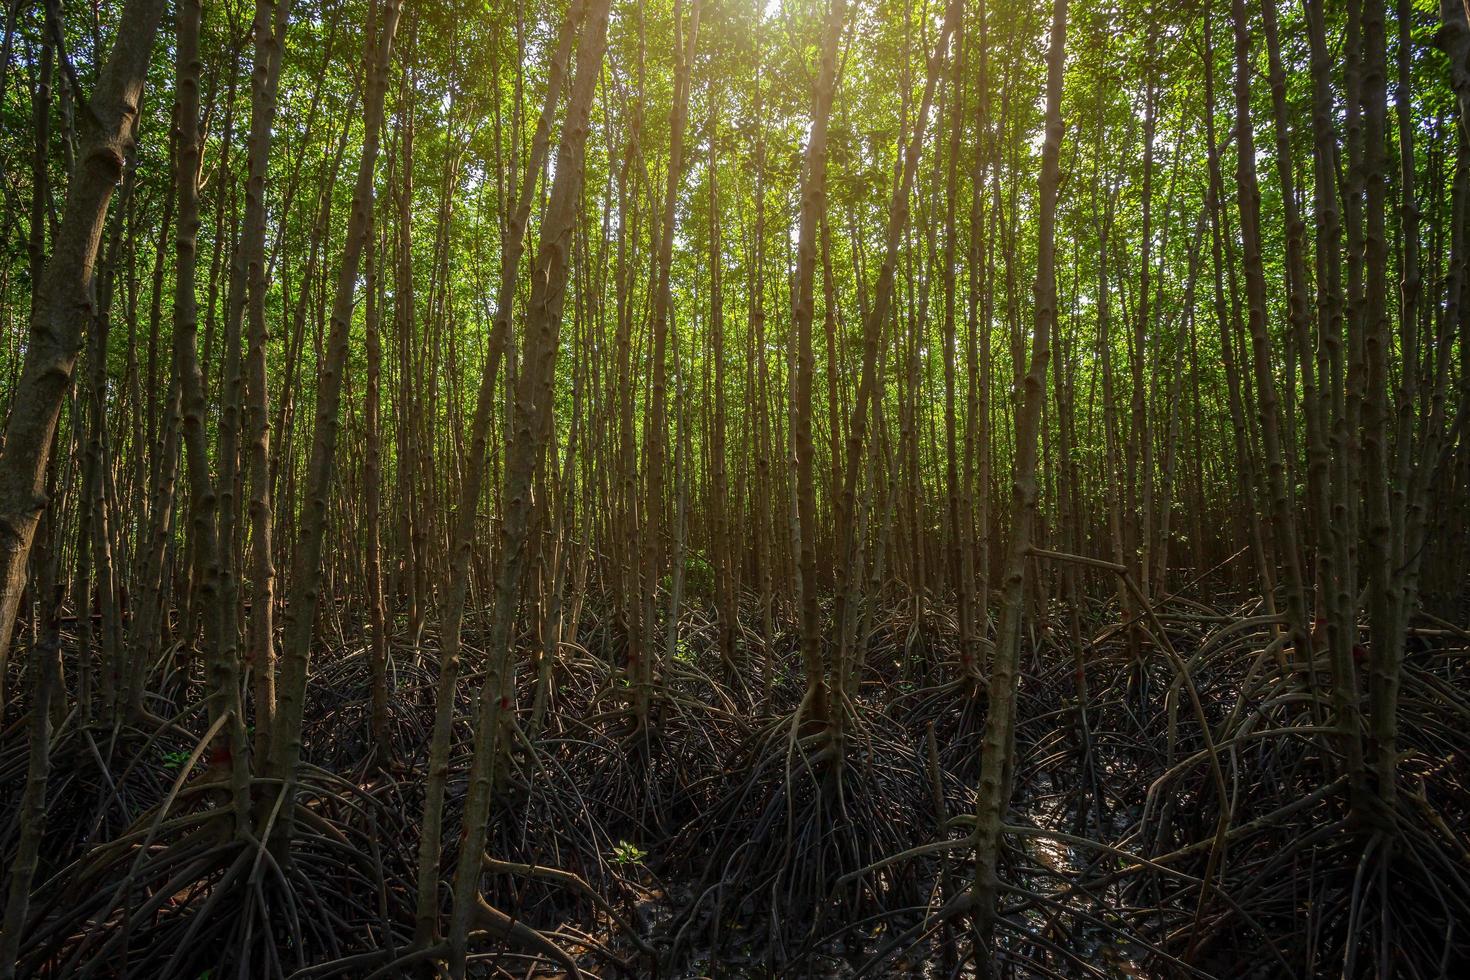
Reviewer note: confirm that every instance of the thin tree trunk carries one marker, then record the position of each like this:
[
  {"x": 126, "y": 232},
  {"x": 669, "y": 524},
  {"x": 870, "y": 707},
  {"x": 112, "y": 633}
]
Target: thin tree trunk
[
  {"x": 372, "y": 490},
  {"x": 471, "y": 487},
  {"x": 45, "y": 679},
  {"x": 656, "y": 425},
  {"x": 260, "y": 656},
  {"x": 998, "y": 746},
  {"x": 532, "y": 425},
  {"x": 813, "y": 203},
  {"x": 306, "y": 574},
  {"x": 1248, "y": 194}
]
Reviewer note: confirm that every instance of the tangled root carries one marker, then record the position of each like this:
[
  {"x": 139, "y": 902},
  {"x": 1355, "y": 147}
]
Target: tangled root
[
  {"x": 183, "y": 892},
  {"x": 779, "y": 843}
]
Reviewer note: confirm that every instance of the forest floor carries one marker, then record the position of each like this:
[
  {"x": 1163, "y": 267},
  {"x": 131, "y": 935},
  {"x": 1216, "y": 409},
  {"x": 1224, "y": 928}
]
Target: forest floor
[{"x": 712, "y": 845}]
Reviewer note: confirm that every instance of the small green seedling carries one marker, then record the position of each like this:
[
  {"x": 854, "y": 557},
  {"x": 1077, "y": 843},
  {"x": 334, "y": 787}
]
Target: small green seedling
[
  {"x": 175, "y": 760},
  {"x": 626, "y": 853}
]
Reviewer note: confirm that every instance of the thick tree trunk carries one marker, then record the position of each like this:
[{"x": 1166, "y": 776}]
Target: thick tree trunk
[{"x": 64, "y": 303}]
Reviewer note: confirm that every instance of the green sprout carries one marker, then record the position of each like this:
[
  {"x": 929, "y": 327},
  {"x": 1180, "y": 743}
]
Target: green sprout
[{"x": 627, "y": 853}]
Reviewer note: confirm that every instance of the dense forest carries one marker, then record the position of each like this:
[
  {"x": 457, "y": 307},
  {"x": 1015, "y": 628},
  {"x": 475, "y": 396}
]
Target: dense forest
[{"x": 735, "y": 488}]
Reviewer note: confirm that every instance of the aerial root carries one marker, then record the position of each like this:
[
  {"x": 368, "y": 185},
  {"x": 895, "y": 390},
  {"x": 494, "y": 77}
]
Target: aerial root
[
  {"x": 177, "y": 895},
  {"x": 813, "y": 808}
]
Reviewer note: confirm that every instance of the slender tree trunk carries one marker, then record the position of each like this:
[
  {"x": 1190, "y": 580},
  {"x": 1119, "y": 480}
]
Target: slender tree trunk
[
  {"x": 372, "y": 478},
  {"x": 260, "y": 656},
  {"x": 472, "y": 485},
  {"x": 813, "y": 203},
  {"x": 531, "y": 428},
  {"x": 306, "y": 574},
  {"x": 961, "y": 558},
  {"x": 1244, "y": 458},
  {"x": 656, "y": 425},
  {"x": 722, "y": 538},
  {"x": 998, "y": 746},
  {"x": 1283, "y": 507},
  {"x": 46, "y": 688}
]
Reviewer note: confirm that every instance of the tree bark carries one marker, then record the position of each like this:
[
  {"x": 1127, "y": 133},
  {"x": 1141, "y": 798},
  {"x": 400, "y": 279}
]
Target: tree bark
[
  {"x": 532, "y": 416},
  {"x": 64, "y": 302},
  {"x": 998, "y": 746},
  {"x": 306, "y": 577}
]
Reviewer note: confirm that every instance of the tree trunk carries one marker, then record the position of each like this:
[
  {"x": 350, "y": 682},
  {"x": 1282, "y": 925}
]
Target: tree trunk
[
  {"x": 63, "y": 304},
  {"x": 306, "y": 574},
  {"x": 998, "y": 746},
  {"x": 532, "y": 425}
]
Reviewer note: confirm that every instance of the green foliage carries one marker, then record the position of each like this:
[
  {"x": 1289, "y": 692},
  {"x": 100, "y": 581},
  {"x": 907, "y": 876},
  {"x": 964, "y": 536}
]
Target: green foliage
[
  {"x": 699, "y": 577},
  {"x": 626, "y": 854},
  {"x": 175, "y": 760}
]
